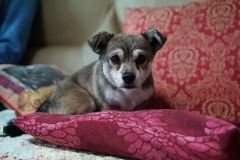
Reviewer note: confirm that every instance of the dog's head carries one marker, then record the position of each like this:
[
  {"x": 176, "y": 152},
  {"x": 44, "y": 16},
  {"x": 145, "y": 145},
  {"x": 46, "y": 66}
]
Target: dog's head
[{"x": 126, "y": 59}]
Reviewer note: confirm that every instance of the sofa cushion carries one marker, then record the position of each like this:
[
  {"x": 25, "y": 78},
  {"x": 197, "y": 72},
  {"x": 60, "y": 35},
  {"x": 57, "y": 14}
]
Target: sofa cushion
[
  {"x": 69, "y": 58},
  {"x": 198, "y": 68},
  {"x": 23, "y": 89},
  {"x": 77, "y": 23},
  {"x": 120, "y": 6}
]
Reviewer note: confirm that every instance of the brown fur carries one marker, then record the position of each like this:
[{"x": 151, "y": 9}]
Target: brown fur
[{"x": 85, "y": 91}]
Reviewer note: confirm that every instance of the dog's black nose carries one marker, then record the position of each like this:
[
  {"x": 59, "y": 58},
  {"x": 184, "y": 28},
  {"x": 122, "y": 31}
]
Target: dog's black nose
[{"x": 128, "y": 77}]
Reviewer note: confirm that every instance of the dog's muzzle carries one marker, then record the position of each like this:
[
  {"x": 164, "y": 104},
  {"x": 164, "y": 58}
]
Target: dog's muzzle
[{"x": 128, "y": 78}]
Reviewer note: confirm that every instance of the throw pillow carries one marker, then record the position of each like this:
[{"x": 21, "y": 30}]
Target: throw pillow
[
  {"x": 147, "y": 134},
  {"x": 24, "y": 88},
  {"x": 198, "y": 68}
]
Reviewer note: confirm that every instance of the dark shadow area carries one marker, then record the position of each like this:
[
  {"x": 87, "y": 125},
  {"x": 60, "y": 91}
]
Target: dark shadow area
[{"x": 37, "y": 36}]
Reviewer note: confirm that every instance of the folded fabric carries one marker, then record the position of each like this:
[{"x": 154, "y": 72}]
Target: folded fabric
[{"x": 146, "y": 134}]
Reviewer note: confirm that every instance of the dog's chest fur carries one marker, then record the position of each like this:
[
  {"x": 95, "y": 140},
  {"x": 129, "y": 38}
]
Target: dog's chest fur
[
  {"x": 106, "y": 96},
  {"x": 127, "y": 99}
]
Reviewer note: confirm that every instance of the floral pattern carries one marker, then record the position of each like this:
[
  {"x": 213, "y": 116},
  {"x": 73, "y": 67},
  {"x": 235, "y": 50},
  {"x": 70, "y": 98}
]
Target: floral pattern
[
  {"x": 198, "y": 67},
  {"x": 147, "y": 135}
]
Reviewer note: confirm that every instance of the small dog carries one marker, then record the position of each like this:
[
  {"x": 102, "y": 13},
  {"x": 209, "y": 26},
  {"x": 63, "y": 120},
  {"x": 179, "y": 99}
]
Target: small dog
[{"x": 121, "y": 78}]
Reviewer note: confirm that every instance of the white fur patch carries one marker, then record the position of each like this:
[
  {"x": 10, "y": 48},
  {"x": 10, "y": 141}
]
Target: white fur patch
[
  {"x": 137, "y": 52},
  {"x": 115, "y": 77},
  {"x": 127, "y": 99},
  {"x": 142, "y": 75},
  {"x": 118, "y": 52}
]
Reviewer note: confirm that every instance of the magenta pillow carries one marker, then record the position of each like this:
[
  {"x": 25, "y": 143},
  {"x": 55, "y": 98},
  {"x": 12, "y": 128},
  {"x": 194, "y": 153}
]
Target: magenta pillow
[{"x": 152, "y": 134}]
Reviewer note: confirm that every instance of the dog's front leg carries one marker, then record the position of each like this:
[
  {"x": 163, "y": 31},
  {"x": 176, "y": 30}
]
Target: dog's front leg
[{"x": 69, "y": 98}]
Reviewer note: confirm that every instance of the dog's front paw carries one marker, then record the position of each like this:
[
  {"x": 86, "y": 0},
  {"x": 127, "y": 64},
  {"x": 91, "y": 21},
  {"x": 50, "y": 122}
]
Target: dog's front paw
[
  {"x": 44, "y": 107},
  {"x": 12, "y": 130}
]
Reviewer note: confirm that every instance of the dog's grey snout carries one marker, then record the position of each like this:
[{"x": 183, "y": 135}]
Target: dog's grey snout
[{"x": 128, "y": 77}]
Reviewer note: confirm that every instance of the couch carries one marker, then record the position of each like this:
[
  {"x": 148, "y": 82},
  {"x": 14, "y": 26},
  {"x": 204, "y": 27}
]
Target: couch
[
  {"x": 57, "y": 39},
  {"x": 62, "y": 28},
  {"x": 197, "y": 71}
]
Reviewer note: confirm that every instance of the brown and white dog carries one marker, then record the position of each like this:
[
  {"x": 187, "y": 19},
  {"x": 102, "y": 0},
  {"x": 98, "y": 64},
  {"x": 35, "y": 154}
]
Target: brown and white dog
[{"x": 120, "y": 79}]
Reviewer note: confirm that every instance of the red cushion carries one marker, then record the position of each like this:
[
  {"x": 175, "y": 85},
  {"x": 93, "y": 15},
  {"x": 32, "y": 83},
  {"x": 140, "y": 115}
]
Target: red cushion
[
  {"x": 153, "y": 134},
  {"x": 198, "y": 68}
]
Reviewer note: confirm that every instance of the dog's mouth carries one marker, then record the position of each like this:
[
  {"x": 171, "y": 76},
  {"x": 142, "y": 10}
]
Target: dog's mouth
[{"x": 128, "y": 86}]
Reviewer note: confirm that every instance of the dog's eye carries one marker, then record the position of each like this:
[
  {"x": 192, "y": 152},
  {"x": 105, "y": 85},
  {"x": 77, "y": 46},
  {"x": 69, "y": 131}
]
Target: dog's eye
[
  {"x": 141, "y": 59},
  {"x": 115, "y": 59}
]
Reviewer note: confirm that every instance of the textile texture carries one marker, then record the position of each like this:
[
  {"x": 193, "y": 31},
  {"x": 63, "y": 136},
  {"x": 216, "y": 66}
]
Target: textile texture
[
  {"x": 36, "y": 149},
  {"x": 149, "y": 134},
  {"x": 198, "y": 67},
  {"x": 17, "y": 82}
]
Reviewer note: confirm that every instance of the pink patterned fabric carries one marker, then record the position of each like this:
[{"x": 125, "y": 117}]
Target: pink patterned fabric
[
  {"x": 147, "y": 135},
  {"x": 198, "y": 67}
]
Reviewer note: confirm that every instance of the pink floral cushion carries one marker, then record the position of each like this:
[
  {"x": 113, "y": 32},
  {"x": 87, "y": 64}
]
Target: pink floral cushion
[
  {"x": 147, "y": 135},
  {"x": 198, "y": 67}
]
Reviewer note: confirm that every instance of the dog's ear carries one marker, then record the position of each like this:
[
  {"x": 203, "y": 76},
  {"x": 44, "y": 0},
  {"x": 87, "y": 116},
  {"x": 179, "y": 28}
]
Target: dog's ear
[
  {"x": 99, "y": 42},
  {"x": 155, "y": 39}
]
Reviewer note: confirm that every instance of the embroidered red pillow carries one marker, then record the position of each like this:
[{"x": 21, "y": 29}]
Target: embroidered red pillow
[
  {"x": 147, "y": 135},
  {"x": 198, "y": 68}
]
